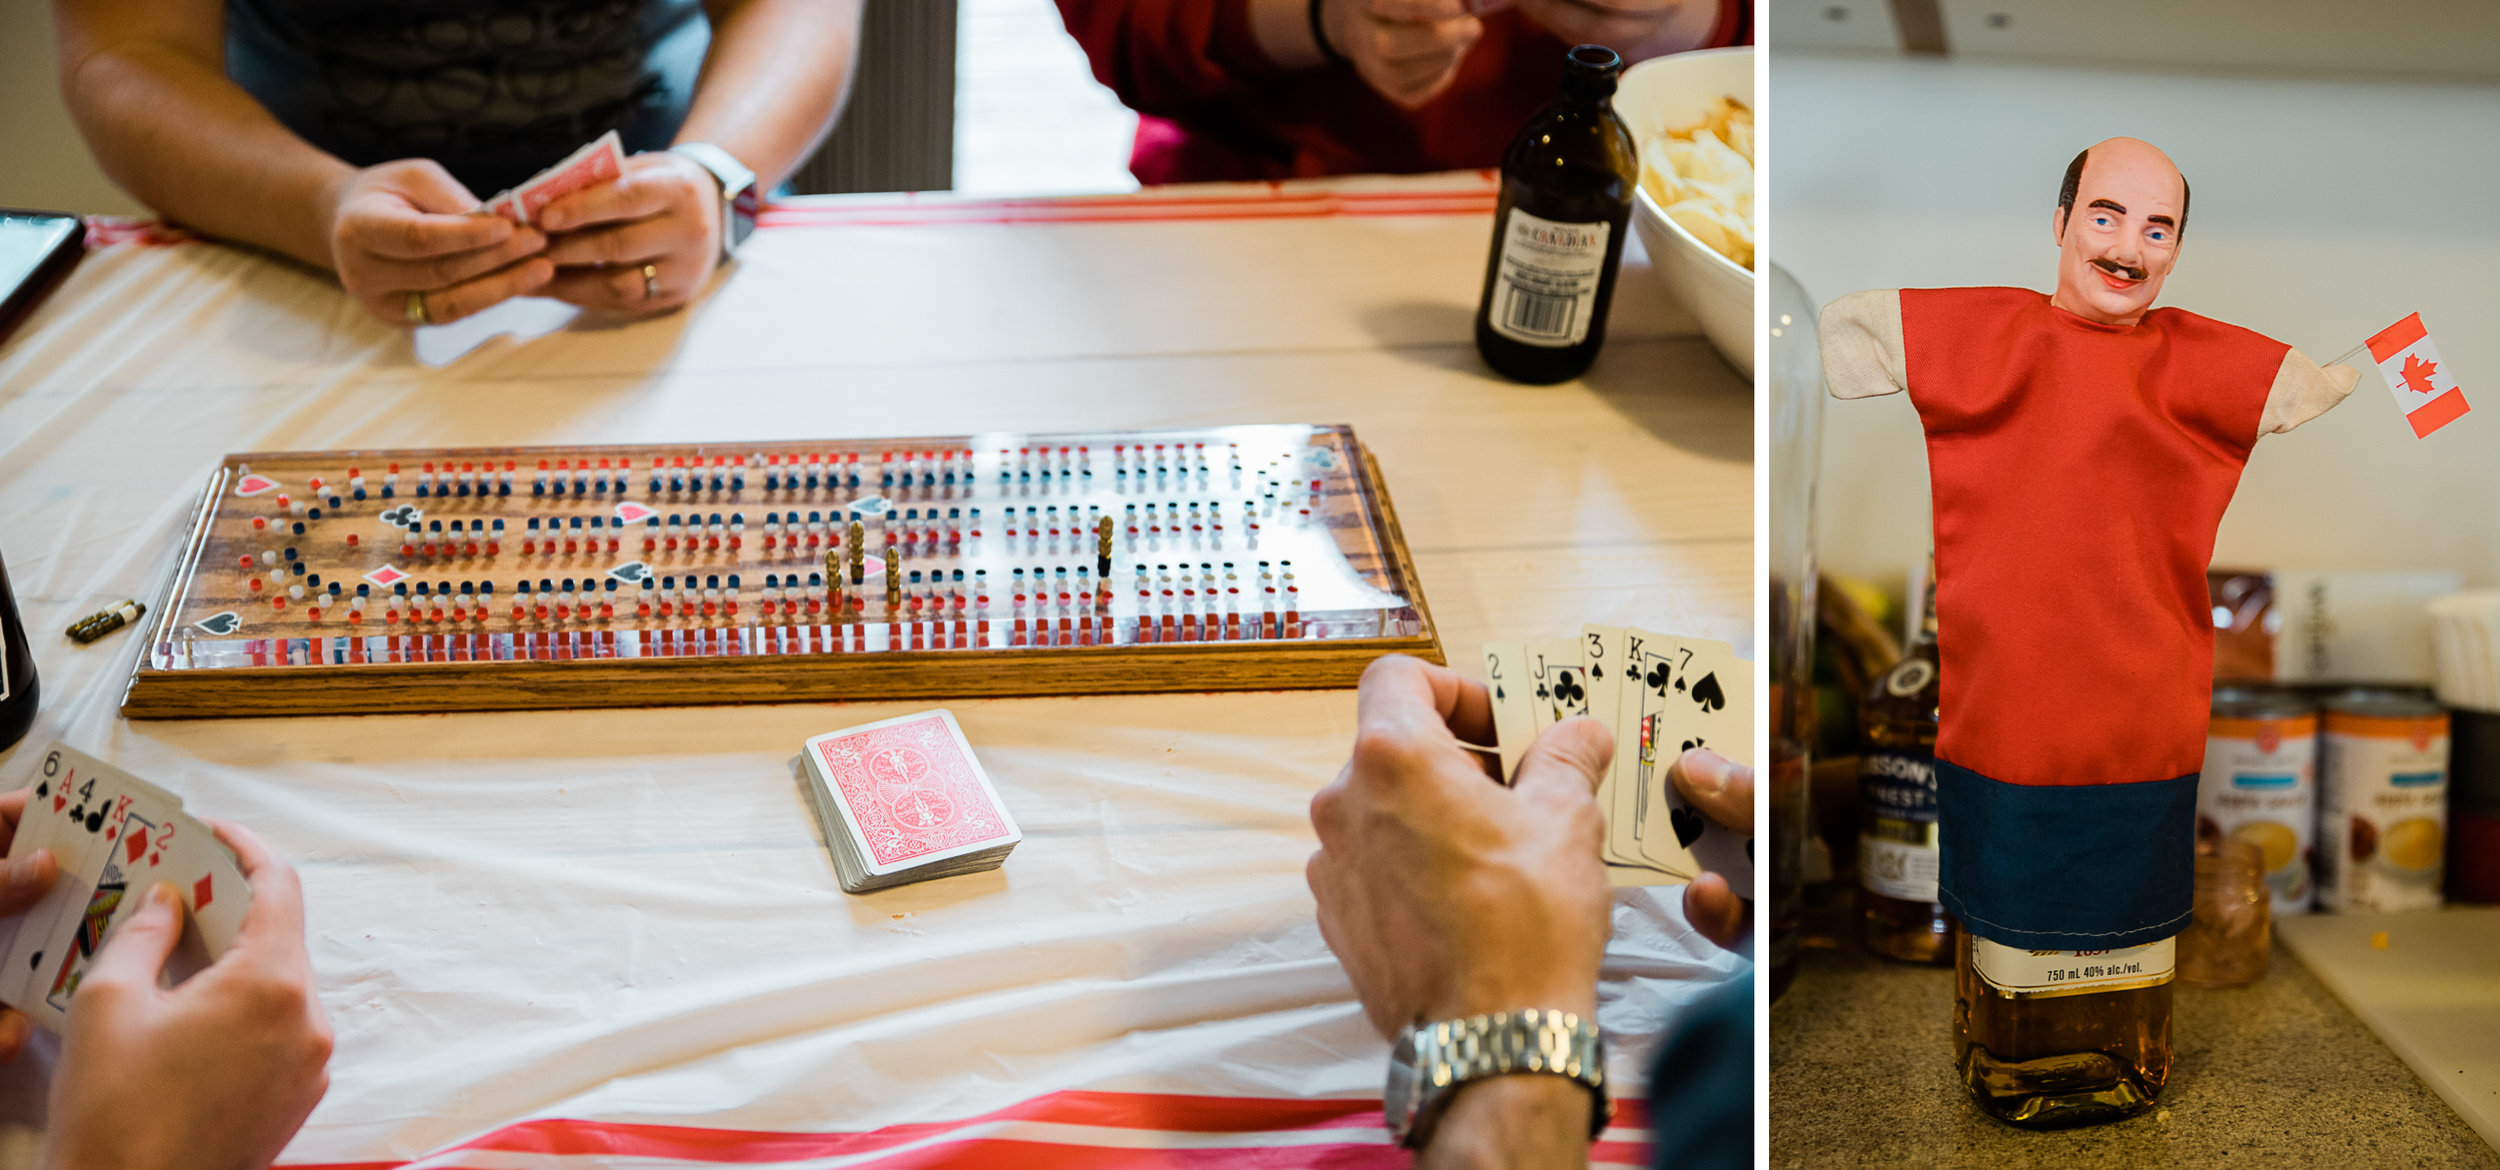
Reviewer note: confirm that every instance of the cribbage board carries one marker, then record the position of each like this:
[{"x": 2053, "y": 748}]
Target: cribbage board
[{"x": 1235, "y": 558}]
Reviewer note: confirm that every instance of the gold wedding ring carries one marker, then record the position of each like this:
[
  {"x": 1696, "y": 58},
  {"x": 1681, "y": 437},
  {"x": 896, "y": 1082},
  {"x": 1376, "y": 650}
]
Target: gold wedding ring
[
  {"x": 650, "y": 281},
  {"x": 415, "y": 310}
]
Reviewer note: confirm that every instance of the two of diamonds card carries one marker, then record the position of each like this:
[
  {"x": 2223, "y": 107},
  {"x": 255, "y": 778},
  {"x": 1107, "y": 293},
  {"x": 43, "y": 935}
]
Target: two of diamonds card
[
  {"x": 903, "y": 800},
  {"x": 1659, "y": 695},
  {"x": 113, "y": 835}
]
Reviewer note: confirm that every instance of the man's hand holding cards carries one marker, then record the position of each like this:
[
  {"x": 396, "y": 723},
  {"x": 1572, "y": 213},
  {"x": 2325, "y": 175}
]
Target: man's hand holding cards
[
  {"x": 113, "y": 837},
  {"x": 1660, "y": 696},
  {"x": 635, "y": 234}
]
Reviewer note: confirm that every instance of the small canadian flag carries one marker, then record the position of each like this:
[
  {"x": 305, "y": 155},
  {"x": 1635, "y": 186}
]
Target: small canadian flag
[{"x": 2423, "y": 388}]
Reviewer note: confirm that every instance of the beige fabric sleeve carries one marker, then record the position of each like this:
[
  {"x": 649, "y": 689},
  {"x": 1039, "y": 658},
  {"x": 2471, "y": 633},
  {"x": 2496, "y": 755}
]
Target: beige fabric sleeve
[
  {"x": 1861, "y": 338},
  {"x": 2302, "y": 391}
]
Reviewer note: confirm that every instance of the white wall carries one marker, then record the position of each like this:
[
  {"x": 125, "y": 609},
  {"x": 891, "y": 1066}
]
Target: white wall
[
  {"x": 43, "y": 164},
  {"x": 2323, "y": 211}
]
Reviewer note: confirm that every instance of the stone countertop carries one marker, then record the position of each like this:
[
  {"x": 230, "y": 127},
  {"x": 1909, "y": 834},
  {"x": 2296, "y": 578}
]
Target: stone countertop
[{"x": 2276, "y": 1073}]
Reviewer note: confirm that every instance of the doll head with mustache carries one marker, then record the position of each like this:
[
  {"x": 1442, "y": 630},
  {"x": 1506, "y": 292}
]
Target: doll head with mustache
[{"x": 2119, "y": 218}]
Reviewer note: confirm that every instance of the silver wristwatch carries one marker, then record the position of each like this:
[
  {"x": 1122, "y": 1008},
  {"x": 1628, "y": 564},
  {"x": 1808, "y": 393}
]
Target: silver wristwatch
[
  {"x": 1430, "y": 1062},
  {"x": 738, "y": 196}
]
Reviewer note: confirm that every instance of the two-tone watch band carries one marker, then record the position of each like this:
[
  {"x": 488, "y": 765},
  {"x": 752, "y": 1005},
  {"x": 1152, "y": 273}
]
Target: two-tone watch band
[{"x": 1432, "y": 1060}]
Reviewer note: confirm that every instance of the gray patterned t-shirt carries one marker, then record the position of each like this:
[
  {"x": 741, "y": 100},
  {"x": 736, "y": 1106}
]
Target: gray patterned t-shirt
[{"x": 492, "y": 90}]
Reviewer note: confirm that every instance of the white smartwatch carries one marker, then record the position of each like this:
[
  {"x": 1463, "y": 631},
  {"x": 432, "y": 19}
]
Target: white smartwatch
[
  {"x": 738, "y": 196},
  {"x": 1430, "y": 1061}
]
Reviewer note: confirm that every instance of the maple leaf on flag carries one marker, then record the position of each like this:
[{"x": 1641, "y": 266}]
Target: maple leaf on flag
[{"x": 2417, "y": 373}]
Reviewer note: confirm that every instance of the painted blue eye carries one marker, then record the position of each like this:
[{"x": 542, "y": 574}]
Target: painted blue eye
[
  {"x": 2100, "y": 220},
  {"x": 2159, "y": 235}
]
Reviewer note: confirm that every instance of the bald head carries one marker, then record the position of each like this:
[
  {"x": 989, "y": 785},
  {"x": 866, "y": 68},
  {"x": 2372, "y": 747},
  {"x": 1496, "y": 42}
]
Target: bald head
[
  {"x": 2117, "y": 228},
  {"x": 2120, "y": 153}
]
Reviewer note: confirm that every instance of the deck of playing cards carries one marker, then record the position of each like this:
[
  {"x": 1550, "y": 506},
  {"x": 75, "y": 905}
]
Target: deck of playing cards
[
  {"x": 903, "y": 800},
  {"x": 597, "y": 161},
  {"x": 114, "y": 835},
  {"x": 1661, "y": 695}
]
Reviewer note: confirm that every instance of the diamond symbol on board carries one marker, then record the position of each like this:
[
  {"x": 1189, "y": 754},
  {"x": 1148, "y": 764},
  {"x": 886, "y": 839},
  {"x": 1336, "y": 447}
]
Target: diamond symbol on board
[{"x": 385, "y": 575}]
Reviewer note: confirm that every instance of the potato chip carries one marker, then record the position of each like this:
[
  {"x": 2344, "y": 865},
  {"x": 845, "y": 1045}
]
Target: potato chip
[{"x": 1702, "y": 177}]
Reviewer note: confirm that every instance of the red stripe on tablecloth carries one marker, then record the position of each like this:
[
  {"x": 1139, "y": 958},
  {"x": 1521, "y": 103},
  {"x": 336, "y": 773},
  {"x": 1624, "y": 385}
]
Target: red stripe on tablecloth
[
  {"x": 2437, "y": 413},
  {"x": 2389, "y": 342},
  {"x": 1271, "y": 204},
  {"x": 1171, "y": 1113}
]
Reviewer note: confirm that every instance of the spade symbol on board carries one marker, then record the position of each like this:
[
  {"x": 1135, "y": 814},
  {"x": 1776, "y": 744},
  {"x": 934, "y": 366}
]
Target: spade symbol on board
[
  {"x": 226, "y": 622},
  {"x": 1707, "y": 694},
  {"x": 631, "y": 572}
]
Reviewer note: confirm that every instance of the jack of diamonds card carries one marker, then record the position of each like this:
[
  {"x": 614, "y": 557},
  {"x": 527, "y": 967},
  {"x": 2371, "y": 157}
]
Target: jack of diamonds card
[{"x": 911, "y": 792}]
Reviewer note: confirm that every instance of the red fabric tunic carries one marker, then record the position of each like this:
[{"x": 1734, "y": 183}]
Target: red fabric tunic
[
  {"x": 2079, "y": 472},
  {"x": 1215, "y": 108}
]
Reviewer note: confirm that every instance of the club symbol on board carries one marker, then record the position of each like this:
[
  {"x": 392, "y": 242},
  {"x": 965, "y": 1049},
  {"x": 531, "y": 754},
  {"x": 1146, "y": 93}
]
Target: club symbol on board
[
  {"x": 225, "y": 622},
  {"x": 402, "y": 516},
  {"x": 1707, "y": 693}
]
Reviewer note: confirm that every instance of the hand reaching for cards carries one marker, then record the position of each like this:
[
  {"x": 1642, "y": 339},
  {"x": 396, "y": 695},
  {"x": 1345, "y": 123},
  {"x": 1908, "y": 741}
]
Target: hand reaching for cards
[
  {"x": 664, "y": 212},
  {"x": 217, "y": 1072},
  {"x": 1443, "y": 893},
  {"x": 26, "y": 881},
  {"x": 1635, "y": 28},
  {"x": 1408, "y": 50},
  {"x": 406, "y": 226},
  {"x": 1723, "y": 791}
]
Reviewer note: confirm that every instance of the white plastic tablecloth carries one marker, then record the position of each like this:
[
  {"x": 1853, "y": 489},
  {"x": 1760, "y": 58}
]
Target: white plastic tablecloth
[{"x": 614, "y": 937}]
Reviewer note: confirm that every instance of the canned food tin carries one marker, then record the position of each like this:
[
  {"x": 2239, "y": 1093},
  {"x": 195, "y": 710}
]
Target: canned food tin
[
  {"x": 2383, "y": 802},
  {"x": 2260, "y": 786}
]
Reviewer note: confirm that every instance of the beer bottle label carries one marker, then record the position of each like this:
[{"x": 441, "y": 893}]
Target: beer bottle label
[
  {"x": 2041, "y": 974},
  {"x": 1547, "y": 288},
  {"x": 1897, "y": 847}
]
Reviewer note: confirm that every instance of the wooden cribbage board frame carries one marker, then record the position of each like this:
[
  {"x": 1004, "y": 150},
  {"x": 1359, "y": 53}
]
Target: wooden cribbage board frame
[{"x": 300, "y": 667}]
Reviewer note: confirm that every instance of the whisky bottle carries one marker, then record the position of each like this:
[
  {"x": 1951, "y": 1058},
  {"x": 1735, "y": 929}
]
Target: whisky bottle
[
  {"x": 1567, "y": 184},
  {"x": 17, "y": 669},
  {"x": 2058, "y": 1038},
  {"x": 1899, "y": 914}
]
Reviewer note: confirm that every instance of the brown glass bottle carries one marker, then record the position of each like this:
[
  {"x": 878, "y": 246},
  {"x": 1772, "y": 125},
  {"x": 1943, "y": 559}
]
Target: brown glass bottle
[
  {"x": 1567, "y": 183},
  {"x": 2043, "y": 1055},
  {"x": 1900, "y": 916},
  {"x": 17, "y": 668}
]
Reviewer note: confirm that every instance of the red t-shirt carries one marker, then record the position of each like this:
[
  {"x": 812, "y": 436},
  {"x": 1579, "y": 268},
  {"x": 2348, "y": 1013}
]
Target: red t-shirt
[
  {"x": 1212, "y": 106},
  {"x": 2079, "y": 472}
]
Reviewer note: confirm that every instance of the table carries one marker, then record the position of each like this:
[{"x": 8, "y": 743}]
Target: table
[
  {"x": 613, "y": 936},
  {"x": 2274, "y": 1073}
]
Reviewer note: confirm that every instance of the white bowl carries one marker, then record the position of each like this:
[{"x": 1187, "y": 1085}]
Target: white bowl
[{"x": 1677, "y": 91}]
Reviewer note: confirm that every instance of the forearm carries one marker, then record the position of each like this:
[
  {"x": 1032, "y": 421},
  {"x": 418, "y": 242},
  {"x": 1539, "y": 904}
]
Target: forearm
[
  {"x": 773, "y": 81},
  {"x": 180, "y": 137},
  {"x": 1530, "y": 1121}
]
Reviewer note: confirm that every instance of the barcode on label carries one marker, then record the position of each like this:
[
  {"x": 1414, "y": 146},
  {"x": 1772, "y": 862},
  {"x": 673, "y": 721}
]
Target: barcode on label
[{"x": 1541, "y": 314}]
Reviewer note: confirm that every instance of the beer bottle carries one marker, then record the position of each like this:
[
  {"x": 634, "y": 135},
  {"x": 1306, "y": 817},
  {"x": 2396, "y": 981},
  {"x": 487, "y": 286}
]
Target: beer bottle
[
  {"x": 1900, "y": 916},
  {"x": 1567, "y": 183},
  {"x": 17, "y": 668}
]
